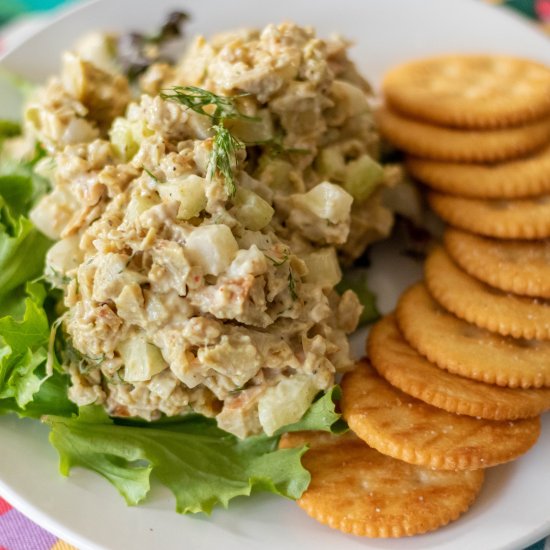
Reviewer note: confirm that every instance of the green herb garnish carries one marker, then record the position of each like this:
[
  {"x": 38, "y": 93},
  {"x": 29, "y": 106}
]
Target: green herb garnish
[
  {"x": 226, "y": 145},
  {"x": 224, "y": 156},
  {"x": 275, "y": 148},
  {"x": 277, "y": 263},
  {"x": 150, "y": 174},
  {"x": 197, "y": 99},
  {"x": 292, "y": 285}
]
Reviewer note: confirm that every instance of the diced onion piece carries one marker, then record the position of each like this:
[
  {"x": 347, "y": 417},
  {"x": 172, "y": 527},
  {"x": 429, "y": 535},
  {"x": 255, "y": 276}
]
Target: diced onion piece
[
  {"x": 142, "y": 360},
  {"x": 211, "y": 247},
  {"x": 327, "y": 201},
  {"x": 98, "y": 48},
  {"x": 64, "y": 255},
  {"x": 323, "y": 268},
  {"x": 189, "y": 192},
  {"x": 286, "y": 402},
  {"x": 53, "y": 212},
  {"x": 74, "y": 75},
  {"x": 363, "y": 175},
  {"x": 46, "y": 167},
  {"x": 251, "y": 210},
  {"x": 138, "y": 205},
  {"x": 405, "y": 199}
]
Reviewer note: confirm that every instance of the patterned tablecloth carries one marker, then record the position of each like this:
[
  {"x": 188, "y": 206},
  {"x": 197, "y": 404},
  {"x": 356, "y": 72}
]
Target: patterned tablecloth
[{"x": 17, "y": 532}]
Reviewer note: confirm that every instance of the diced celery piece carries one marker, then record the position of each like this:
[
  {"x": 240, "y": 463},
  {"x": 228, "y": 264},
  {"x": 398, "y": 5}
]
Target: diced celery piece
[
  {"x": 211, "y": 247},
  {"x": 126, "y": 136},
  {"x": 351, "y": 98},
  {"x": 331, "y": 163},
  {"x": 142, "y": 360},
  {"x": 323, "y": 268},
  {"x": 363, "y": 175},
  {"x": 286, "y": 402},
  {"x": 274, "y": 172},
  {"x": 327, "y": 201},
  {"x": 189, "y": 192},
  {"x": 255, "y": 130},
  {"x": 251, "y": 210},
  {"x": 122, "y": 139},
  {"x": 137, "y": 205}
]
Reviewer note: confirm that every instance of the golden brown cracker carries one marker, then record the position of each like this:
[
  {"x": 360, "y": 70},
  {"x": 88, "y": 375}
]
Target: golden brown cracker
[
  {"x": 483, "y": 305},
  {"x": 441, "y": 143},
  {"x": 470, "y": 91},
  {"x": 520, "y": 178},
  {"x": 521, "y": 267},
  {"x": 358, "y": 490},
  {"x": 466, "y": 350},
  {"x": 403, "y": 367},
  {"x": 408, "y": 429},
  {"x": 503, "y": 219}
]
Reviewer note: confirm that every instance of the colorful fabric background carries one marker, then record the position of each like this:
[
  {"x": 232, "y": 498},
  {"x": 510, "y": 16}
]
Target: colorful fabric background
[{"x": 17, "y": 532}]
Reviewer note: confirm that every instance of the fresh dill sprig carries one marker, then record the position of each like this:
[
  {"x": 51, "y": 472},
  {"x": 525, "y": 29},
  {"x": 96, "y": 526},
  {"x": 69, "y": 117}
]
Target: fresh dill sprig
[
  {"x": 197, "y": 99},
  {"x": 224, "y": 156},
  {"x": 277, "y": 263},
  {"x": 150, "y": 174},
  {"x": 275, "y": 148},
  {"x": 292, "y": 285},
  {"x": 224, "y": 151}
]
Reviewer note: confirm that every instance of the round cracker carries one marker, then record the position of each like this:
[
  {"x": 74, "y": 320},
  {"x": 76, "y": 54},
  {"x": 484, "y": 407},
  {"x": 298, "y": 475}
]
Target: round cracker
[
  {"x": 482, "y": 305},
  {"x": 466, "y": 350},
  {"x": 503, "y": 219},
  {"x": 408, "y": 429},
  {"x": 358, "y": 490},
  {"x": 440, "y": 143},
  {"x": 521, "y": 267},
  {"x": 525, "y": 177},
  {"x": 470, "y": 91},
  {"x": 403, "y": 367}
]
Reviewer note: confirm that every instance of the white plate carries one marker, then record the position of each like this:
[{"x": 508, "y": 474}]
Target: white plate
[{"x": 514, "y": 508}]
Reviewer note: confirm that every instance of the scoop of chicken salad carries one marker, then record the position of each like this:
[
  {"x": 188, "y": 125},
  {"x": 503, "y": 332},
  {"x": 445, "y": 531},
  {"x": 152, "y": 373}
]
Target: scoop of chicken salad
[{"x": 200, "y": 211}]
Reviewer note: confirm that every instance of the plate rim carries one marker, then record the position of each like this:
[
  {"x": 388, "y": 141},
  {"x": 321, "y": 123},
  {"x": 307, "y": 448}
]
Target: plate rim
[{"x": 40, "y": 515}]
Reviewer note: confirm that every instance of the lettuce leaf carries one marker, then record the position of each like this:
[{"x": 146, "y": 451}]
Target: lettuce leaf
[
  {"x": 23, "y": 348},
  {"x": 356, "y": 280},
  {"x": 202, "y": 465},
  {"x": 321, "y": 415},
  {"x": 25, "y": 389},
  {"x": 9, "y": 128},
  {"x": 22, "y": 247},
  {"x": 51, "y": 398}
]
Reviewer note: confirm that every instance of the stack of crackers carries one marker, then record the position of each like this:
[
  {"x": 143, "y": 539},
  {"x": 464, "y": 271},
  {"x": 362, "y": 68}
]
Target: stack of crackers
[{"x": 459, "y": 374}]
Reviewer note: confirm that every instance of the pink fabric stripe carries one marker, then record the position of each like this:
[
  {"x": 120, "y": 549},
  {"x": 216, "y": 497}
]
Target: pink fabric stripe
[{"x": 4, "y": 507}]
